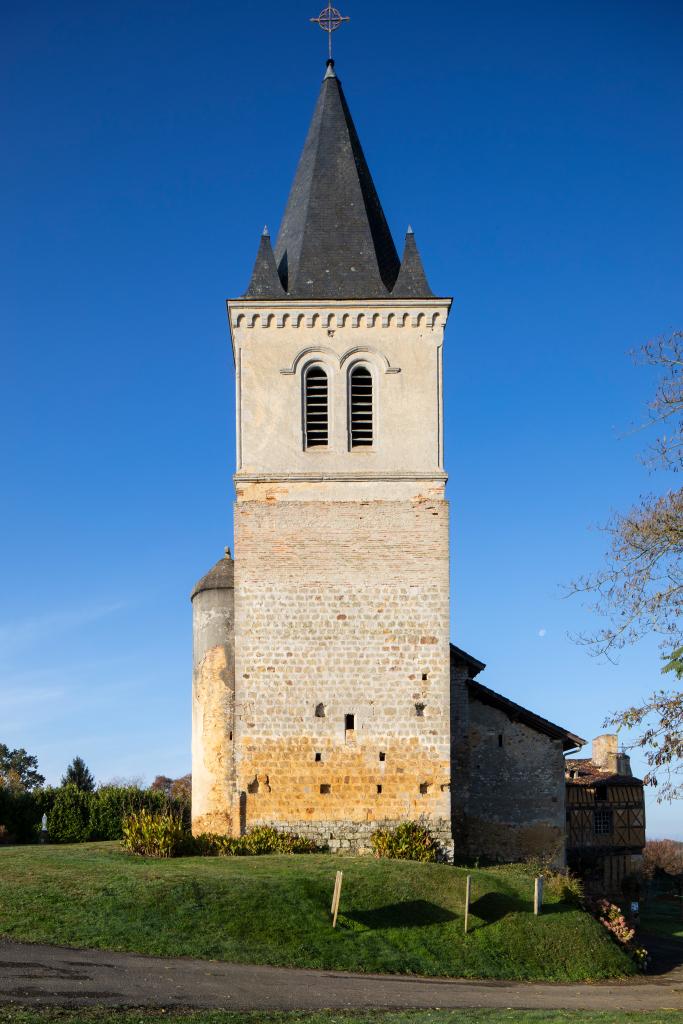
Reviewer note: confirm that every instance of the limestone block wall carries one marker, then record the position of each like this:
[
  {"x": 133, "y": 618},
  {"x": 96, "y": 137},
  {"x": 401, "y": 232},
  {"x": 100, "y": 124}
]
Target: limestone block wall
[
  {"x": 213, "y": 693},
  {"x": 513, "y": 805},
  {"x": 342, "y": 609}
]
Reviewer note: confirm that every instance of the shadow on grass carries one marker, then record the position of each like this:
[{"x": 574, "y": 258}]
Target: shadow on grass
[
  {"x": 666, "y": 952},
  {"x": 494, "y": 906},
  {"x": 410, "y": 914}
]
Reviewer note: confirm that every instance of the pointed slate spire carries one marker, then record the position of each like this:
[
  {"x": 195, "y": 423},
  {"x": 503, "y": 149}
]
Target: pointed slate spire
[
  {"x": 411, "y": 282},
  {"x": 334, "y": 240},
  {"x": 265, "y": 281}
]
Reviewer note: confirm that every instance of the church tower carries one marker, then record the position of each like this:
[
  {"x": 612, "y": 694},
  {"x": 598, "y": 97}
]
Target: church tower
[{"x": 333, "y": 717}]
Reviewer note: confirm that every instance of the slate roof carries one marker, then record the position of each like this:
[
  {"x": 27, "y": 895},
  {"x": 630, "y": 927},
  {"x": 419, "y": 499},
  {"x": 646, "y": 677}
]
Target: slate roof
[
  {"x": 411, "y": 282},
  {"x": 589, "y": 774},
  {"x": 334, "y": 240},
  {"x": 265, "y": 282},
  {"x": 472, "y": 664},
  {"x": 515, "y": 712},
  {"x": 221, "y": 577}
]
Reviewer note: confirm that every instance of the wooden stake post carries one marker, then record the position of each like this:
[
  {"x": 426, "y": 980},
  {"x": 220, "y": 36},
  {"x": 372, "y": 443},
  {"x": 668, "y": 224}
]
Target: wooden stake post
[
  {"x": 336, "y": 897},
  {"x": 538, "y": 894},
  {"x": 468, "y": 894}
]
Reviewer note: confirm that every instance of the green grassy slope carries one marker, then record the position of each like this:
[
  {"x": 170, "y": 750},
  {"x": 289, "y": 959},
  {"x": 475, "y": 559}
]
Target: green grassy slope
[{"x": 396, "y": 916}]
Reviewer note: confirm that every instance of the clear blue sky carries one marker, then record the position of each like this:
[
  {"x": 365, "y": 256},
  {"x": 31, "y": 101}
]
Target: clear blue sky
[{"x": 536, "y": 148}]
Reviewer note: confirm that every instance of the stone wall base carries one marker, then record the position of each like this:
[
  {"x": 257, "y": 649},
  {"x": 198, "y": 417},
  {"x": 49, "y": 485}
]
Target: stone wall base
[{"x": 354, "y": 836}]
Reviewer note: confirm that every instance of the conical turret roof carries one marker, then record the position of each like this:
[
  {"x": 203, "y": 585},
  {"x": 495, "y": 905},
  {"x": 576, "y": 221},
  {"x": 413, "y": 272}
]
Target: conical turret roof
[
  {"x": 221, "y": 577},
  {"x": 411, "y": 282},
  {"x": 334, "y": 240},
  {"x": 265, "y": 283}
]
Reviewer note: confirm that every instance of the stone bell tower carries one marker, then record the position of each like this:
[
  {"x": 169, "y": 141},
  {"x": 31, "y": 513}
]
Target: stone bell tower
[{"x": 337, "y": 716}]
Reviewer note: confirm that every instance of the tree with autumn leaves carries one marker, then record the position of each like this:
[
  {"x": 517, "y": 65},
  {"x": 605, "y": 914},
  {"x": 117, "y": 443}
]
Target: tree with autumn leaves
[{"x": 639, "y": 589}]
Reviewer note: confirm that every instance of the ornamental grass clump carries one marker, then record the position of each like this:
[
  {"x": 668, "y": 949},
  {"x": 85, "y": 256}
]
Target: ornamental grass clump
[
  {"x": 155, "y": 835},
  {"x": 565, "y": 886},
  {"x": 408, "y": 841},
  {"x": 257, "y": 841}
]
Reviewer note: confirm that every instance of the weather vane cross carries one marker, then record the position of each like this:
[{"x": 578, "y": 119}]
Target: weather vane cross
[{"x": 330, "y": 20}]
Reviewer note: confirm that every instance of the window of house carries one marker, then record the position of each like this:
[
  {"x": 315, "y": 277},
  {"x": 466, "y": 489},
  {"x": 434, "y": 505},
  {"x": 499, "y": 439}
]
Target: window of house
[
  {"x": 602, "y": 821},
  {"x": 316, "y": 408},
  {"x": 318, "y": 756},
  {"x": 601, "y": 792},
  {"x": 349, "y": 722},
  {"x": 379, "y": 789},
  {"x": 382, "y": 755},
  {"x": 500, "y": 739},
  {"x": 325, "y": 788},
  {"x": 360, "y": 408}
]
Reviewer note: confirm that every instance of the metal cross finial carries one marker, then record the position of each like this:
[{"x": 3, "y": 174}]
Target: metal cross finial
[{"x": 330, "y": 20}]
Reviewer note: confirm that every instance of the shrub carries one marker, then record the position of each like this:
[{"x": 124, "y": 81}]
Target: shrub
[
  {"x": 70, "y": 816},
  {"x": 112, "y": 804},
  {"x": 155, "y": 835},
  {"x": 564, "y": 885},
  {"x": 408, "y": 841},
  {"x": 259, "y": 840},
  {"x": 612, "y": 918}
]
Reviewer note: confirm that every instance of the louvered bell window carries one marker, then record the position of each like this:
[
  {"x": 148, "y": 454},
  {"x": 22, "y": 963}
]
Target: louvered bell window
[
  {"x": 316, "y": 409},
  {"x": 360, "y": 408}
]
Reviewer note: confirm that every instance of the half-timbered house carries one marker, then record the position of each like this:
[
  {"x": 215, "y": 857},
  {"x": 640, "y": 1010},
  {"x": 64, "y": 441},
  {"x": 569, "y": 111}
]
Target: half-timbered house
[{"x": 605, "y": 809}]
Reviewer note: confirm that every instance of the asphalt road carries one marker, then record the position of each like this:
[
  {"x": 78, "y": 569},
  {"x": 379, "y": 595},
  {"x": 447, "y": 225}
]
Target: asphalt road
[{"x": 33, "y": 975}]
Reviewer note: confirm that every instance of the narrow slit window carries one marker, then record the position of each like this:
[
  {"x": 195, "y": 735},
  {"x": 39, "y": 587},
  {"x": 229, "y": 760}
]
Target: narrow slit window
[
  {"x": 316, "y": 408},
  {"x": 500, "y": 739},
  {"x": 361, "y": 408},
  {"x": 379, "y": 789},
  {"x": 382, "y": 755},
  {"x": 318, "y": 756},
  {"x": 350, "y": 723}
]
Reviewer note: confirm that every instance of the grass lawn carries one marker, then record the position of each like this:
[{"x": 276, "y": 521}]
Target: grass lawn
[
  {"x": 396, "y": 916},
  {"x": 662, "y": 917},
  {"x": 51, "y": 1016}
]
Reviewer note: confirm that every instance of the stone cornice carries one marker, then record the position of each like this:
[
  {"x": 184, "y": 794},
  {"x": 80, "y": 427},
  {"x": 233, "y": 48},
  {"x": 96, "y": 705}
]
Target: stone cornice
[
  {"x": 318, "y": 314},
  {"x": 267, "y": 478}
]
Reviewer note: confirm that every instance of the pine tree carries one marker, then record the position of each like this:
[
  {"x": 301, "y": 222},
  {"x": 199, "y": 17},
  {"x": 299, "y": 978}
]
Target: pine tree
[{"x": 79, "y": 774}]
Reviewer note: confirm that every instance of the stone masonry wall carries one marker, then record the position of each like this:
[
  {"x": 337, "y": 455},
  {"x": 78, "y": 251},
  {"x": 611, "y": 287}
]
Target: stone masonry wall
[
  {"x": 514, "y": 804},
  {"x": 213, "y": 682},
  {"x": 354, "y": 836},
  {"x": 342, "y": 608}
]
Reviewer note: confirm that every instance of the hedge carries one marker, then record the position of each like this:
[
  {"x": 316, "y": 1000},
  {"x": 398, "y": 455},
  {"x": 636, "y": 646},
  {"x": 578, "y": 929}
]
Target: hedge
[{"x": 74, "y": 816}]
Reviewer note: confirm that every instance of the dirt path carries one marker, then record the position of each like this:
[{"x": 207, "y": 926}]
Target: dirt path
[{"x": 35, "y": 975}]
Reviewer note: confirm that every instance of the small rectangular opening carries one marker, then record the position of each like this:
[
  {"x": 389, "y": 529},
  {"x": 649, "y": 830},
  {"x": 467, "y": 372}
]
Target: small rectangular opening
[
  {"x": 325, "y": 788},
  {"x": 420, "y": 710},
  {"x": 379, "y": 789},
  {"x": 424, "y": 788},
  {"x": 500, "y": 739},
  {"x": 601, "y": 792},
  {"x": 320, "y": 711},
  {"x": 350, "y": 722},
  {"x": 382, "y": 755},
  {"x": 424, "y": 677},
  {"x": 318, "y": 756}
]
